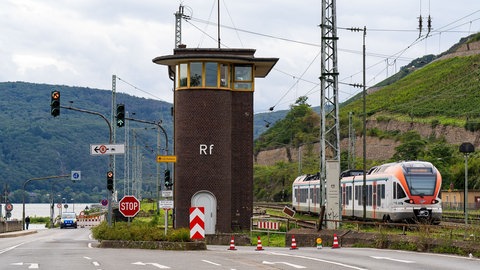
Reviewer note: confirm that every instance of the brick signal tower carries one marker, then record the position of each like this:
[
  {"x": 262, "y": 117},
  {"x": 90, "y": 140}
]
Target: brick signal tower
[{"x": 213, "y": 133}]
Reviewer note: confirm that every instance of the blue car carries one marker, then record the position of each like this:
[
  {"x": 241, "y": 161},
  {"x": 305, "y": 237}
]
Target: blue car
[{"x": 68, "y": 219}]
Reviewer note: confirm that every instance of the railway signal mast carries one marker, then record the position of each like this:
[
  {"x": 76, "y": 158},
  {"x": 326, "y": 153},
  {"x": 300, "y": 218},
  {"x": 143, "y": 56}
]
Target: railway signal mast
[{"x": 329, "y": 129}]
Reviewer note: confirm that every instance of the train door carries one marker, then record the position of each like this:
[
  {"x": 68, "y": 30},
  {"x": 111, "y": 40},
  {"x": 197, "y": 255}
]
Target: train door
[{"x": 207, "y": 200}]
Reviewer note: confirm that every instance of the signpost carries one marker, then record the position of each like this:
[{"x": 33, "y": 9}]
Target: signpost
[
  {"x": 76, "y": 175},
  {"x": 106, "y": 149},
  {"x": 166, "y": 158},
  {"x": 129, "y": 206}
]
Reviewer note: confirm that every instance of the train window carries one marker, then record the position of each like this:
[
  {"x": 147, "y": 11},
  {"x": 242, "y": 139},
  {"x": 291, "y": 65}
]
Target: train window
[
  {"x": 380, "y": 193},
  {"x": 303, "y": 195},
  {"x": 398, "y": 191},
  {"x": 421, "y": 184},
  {"x": 369, "y": 195}
]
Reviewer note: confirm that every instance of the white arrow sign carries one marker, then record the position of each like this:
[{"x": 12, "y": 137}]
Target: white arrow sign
[
  {"x": 107, "y": 149},
  {"x": 152, "y": 264}
]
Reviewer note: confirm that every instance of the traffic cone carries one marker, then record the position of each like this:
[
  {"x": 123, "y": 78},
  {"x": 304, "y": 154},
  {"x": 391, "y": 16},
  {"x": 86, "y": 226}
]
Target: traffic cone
[
  {"x": 294, "y": 243},
  {"x": 259, "y": 244},
  {"x": 335, "y": 241},
  {"x": 232, "y": 244}
]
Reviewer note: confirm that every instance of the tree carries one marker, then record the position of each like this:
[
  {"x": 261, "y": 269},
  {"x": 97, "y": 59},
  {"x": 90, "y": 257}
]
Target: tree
[{"x": 412, "y": 147}]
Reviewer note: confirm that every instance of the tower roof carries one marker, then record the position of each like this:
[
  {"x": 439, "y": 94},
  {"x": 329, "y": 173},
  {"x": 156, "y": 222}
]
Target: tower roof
[{"x": 234, "y": 56}]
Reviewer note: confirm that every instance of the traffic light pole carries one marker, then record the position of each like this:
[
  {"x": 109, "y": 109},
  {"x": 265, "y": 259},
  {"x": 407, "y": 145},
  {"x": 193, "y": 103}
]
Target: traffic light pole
[
  {"x": 166, "y": 148},
  {"x": 109, "y": 192}
]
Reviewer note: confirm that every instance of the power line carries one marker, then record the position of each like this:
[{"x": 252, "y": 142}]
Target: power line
[{"x": 139, "y": 89}]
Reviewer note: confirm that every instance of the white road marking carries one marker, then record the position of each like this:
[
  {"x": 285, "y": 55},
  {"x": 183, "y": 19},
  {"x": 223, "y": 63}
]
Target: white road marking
[
  {"x": 216, "y": 264},
  {"x": 152, "y": 264},
  {"x": 391, "y": 259},
  {"x": 289, "y": 264},
  {"x": 10, "y": 248},
  {"x": 318, "y": 260},
  {"x": 32, "y": 265}
]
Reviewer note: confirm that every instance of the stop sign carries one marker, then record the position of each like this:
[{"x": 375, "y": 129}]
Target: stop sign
[{"x": 129, "y": 206}]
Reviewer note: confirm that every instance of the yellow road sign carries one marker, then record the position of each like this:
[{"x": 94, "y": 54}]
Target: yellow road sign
[{"x": 166, "y": 158}]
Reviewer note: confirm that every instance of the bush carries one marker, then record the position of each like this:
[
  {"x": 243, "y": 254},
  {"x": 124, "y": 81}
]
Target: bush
[{"x": 139, "y": 231}]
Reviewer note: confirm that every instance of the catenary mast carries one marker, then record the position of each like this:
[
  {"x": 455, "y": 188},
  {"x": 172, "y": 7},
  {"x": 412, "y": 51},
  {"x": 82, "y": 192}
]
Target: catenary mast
[{"x": 329, "y": 130}]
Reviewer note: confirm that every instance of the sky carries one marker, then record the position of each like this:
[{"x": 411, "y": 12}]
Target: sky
[{"x": 85, "y": 42}]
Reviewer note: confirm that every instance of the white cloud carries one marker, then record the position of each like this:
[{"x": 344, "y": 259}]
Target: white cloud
[{"x": 83, "y": 43}]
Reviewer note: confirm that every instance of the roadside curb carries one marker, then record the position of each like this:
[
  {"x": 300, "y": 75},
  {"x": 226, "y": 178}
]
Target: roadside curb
[{"x": 17, "y": 233}]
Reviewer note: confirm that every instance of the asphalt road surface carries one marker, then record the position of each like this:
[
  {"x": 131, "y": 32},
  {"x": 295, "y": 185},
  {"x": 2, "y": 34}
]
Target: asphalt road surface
[{"x": 74, "y": 249}]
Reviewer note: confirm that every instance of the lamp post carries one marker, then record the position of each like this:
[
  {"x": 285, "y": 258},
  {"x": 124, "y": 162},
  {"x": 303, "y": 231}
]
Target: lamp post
[{"x": 466, "y": 148}]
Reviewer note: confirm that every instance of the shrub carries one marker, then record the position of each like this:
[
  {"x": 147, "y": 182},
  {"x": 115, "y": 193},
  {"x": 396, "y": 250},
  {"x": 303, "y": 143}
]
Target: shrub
[{"x": 139, "y": 231}]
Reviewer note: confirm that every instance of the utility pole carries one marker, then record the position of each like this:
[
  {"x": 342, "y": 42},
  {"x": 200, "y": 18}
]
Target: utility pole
[{"x": 329, "y": 104}]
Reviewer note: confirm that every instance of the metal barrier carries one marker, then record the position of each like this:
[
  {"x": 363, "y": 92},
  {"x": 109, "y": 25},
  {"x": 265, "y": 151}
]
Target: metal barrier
[
  {"x": 89, "y": 221},
  {"x": 266, "y": 224}
]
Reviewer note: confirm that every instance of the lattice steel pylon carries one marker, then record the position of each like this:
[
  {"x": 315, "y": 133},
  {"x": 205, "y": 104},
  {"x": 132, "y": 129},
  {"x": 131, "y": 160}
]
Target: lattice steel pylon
[
  {"x": 330, "y": 129},
  {"x": 178, "y": 26}
]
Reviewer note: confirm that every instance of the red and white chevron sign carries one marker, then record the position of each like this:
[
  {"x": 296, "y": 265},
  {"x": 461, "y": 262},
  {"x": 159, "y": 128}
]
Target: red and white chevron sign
[{"x": 197, "y": 222}]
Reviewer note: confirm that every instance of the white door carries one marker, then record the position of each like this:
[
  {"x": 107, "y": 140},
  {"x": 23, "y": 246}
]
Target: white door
[{"x": 207, "y": 200}]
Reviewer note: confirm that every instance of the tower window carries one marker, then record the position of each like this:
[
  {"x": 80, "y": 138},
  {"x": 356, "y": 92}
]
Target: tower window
[{"x": 243, "y": 77}]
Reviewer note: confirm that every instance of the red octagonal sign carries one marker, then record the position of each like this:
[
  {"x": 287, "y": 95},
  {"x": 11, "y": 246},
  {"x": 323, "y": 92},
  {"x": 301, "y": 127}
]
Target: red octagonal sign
[{"x": 129, "y": 206}]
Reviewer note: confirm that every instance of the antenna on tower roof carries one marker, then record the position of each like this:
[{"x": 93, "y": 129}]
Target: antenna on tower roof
[{"x": 218, "y": 22}]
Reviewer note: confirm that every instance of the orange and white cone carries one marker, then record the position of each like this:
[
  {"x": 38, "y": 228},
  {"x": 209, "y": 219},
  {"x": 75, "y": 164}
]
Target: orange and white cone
[
  {"x": 259, "y": 244},
  {"x": 232, "y": 244},
  {"x": 335, "y": 241},
  {"x": 294, "y": 243}
]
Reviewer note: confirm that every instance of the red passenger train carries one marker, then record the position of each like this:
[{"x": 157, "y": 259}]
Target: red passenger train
[{"x": 397, "y": 192}]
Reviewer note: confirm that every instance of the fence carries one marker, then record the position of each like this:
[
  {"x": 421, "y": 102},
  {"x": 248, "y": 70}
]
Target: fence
[{"x": 269, "y": 225}]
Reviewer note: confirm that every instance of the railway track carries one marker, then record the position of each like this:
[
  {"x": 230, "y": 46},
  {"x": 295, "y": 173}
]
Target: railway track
[{"x": 448, "y": 219}]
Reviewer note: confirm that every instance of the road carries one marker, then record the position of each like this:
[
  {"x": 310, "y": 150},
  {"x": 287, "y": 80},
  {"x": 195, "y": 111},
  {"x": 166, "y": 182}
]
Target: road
[{"x": 74, "y": 249}]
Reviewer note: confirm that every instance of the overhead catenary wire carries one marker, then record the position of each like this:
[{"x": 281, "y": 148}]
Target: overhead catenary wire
[
  {"x": 139, "y": 89},
  {"x": 394, "y": 57}
]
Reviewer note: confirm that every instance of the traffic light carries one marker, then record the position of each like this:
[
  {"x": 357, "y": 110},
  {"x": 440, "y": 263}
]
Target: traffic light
[
  {"x": 168, "y": 180},
  {"x": 110, "y": 180},
  {"x": 55, "y": 103},
  {"x": 120, "y": 115}
]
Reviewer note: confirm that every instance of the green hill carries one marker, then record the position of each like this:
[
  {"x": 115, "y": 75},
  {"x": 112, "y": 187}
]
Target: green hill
[
  {"x": 432, "y": 91},
  {"x": 34, "y": 144},
  {"x": 445, "y": 90}
]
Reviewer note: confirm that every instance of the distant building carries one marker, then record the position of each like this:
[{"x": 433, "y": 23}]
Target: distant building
[{"x": 454, "y": 199}]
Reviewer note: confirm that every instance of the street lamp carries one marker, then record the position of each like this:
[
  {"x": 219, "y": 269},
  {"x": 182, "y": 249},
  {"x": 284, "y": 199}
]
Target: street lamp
[{"x": 466, "y": 148}]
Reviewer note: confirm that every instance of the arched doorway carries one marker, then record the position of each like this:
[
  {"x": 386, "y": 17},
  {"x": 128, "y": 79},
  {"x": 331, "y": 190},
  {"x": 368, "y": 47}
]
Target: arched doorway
[{"x": 206, "y": 199}]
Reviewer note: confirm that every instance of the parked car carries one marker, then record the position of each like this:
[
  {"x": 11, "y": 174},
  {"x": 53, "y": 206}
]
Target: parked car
[{"x": 68, "y": 219}]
